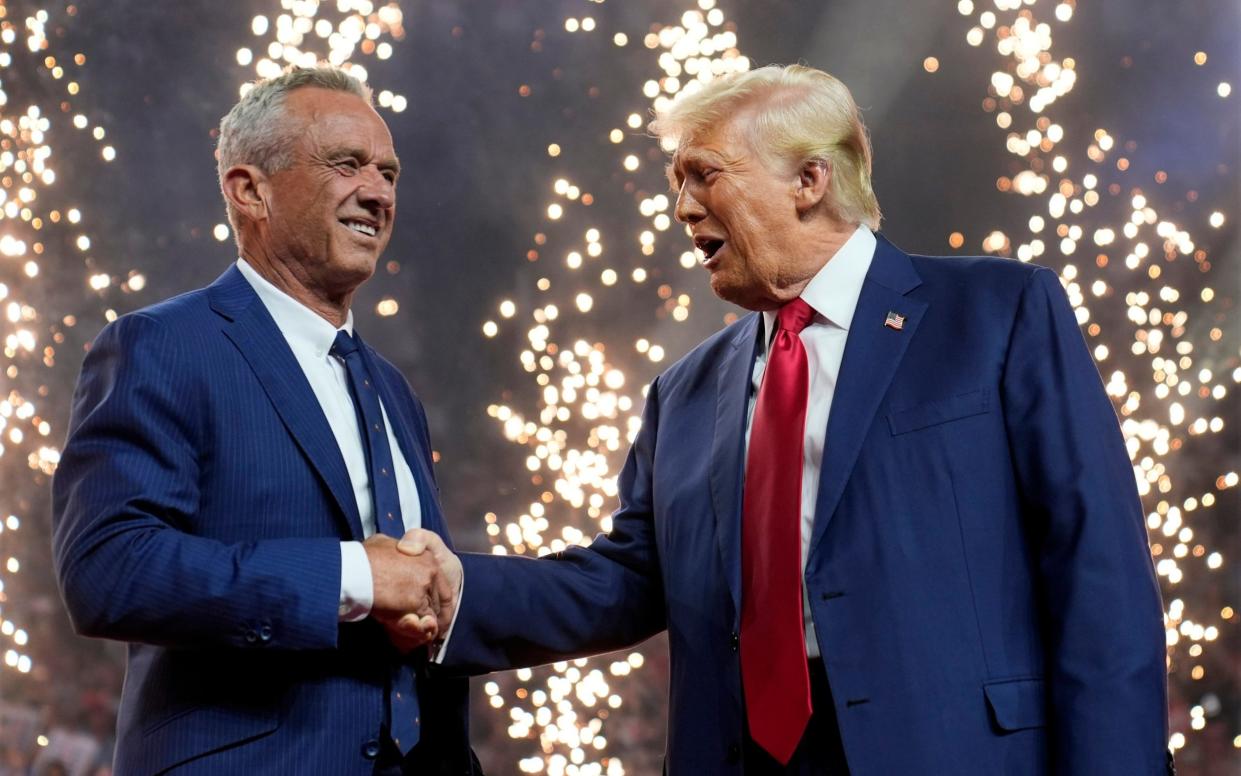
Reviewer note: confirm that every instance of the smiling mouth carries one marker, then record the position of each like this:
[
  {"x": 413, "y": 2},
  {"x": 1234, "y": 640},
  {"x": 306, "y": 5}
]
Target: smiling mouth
[
  {"x": 709, "y": 246},
  {"x": 361, "y": 227}
]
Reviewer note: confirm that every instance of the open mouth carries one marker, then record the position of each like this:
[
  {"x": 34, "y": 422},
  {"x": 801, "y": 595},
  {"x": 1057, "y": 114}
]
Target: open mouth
[
  {"x": 709, "y": 246},
  {"x": 361, "y": 227}
]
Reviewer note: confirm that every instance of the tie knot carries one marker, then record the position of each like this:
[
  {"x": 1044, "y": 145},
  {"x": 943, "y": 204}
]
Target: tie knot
[
  {"x": 795, "y": 316},
  {"x": 344, "y": 345}
]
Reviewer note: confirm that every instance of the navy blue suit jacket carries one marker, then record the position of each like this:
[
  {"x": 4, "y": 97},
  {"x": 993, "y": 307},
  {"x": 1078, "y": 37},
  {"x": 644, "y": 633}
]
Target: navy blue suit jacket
[
  {"x": 979, "y": 574},
  {"x": 199, "y": 506}
]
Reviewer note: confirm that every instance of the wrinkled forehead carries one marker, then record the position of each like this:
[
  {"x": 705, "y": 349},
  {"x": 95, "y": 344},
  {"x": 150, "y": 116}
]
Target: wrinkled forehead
[
  {"x": 351, "y": 129},
  {"x": 691, "y": 152},
  {"x": 706, "y": 138},
  {"x": 334, "y": 115},
  {"x": 719, "y": 143}
]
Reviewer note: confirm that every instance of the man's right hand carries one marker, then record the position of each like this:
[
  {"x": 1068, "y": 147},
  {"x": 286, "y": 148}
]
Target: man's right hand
[
  {"x": 418, "y": 542},
  {"x": 410, "y": 590}
]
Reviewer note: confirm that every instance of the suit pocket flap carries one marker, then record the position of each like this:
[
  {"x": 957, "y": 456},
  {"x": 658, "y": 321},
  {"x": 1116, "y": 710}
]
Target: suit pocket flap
[
  {"x": 1018, "y": 703},
  {"x": 939, "y": 411},
  {"x": 200, "y": 731}
]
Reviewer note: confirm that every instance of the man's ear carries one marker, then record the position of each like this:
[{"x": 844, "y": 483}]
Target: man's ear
[
  {"x": 245, "y": 188},
  {"x": 813, "y": 180}
]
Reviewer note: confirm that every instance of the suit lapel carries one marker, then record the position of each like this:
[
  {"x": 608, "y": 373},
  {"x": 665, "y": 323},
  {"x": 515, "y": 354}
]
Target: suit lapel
[
  {"x": 408, "y": 430},
  {"x": 872, "y": 353},
  {"x": 260, "y": 342},
  {"x": 727, "y": 469}
]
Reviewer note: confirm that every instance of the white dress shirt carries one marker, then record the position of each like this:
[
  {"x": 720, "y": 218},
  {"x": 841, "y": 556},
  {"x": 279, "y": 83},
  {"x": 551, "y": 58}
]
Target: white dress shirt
[
  {"x": 310, "y": 337},
  {"x": 833, "y": 293}
]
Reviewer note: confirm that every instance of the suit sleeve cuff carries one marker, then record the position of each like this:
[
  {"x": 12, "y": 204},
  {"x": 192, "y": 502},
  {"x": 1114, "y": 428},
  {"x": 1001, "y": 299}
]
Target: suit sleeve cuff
[
  {"x": 441, "y": 646},
  {"x": 357, "y": 590}
]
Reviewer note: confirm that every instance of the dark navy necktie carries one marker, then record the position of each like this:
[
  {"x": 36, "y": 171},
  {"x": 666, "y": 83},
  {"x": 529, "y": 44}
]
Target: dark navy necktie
[{"x": 403, "y": 692}]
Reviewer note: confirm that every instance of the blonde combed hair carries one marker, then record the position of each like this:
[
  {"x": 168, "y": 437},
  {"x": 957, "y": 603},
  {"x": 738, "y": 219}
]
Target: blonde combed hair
[{"x": 800, "y": 114}]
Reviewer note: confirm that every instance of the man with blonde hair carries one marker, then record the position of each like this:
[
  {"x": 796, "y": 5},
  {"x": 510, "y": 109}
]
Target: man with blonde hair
[{"x": 887, "y": 519}]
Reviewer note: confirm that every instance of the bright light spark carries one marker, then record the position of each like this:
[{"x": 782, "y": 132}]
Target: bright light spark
[
  {"x": 1141, "y": 268},
  {"x": 576, "y": 434}
]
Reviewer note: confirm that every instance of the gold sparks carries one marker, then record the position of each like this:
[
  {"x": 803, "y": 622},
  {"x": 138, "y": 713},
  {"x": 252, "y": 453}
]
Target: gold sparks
[
  {"x": 1142, "y": 273},
  {"x": 34, "y": 222},
  {"x": 587, "y": 407},
  {"x": 308, "y": 32}
]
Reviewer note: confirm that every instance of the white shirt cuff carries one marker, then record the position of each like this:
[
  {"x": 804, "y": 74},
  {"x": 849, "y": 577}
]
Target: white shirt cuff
[
  {"x": 441, "y": 647},
  {"x": 357, "y": 588}
]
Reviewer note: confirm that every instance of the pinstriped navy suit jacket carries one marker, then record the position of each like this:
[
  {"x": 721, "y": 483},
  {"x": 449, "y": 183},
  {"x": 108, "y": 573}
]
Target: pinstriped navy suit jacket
[{"x": 199, "y": 507}]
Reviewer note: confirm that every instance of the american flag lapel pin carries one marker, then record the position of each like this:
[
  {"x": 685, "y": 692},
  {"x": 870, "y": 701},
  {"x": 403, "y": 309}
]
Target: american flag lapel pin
[{"x": 894, "y": 321}]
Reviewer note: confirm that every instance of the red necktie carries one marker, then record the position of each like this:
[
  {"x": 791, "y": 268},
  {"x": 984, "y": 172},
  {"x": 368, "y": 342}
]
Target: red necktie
[{"x": 774, "y": 673}]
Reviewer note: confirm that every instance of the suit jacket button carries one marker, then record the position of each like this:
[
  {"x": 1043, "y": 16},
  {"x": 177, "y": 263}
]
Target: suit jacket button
[
  {"x": 251, "y": 636},
  {"x": 370, "y": 750},
  {"x": 734, "y": 641},
  {"x": 265, "y": 633},
  {"x": 734, "y": 754}
]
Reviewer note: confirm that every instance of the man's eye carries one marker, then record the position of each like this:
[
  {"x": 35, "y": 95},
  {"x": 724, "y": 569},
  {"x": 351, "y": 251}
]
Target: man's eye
[{"x": 348, "y": 164}]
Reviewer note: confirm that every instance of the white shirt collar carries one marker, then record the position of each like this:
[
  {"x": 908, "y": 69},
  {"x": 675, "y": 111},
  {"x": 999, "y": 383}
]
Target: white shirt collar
[
  {"x": 833, "y": 292},
  {"x": 305, "y": 330}
]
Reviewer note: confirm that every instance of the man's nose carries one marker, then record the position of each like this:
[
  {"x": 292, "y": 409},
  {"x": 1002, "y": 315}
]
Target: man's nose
[
  {"x": 376, "y": 190},
  {"x": 689, "y": 210}
]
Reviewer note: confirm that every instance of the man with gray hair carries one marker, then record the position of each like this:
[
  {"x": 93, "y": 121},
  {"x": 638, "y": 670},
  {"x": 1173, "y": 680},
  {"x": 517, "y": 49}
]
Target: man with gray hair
[
  {"x": 239, "y": 467},
  {"x": 887, "y": 518}
]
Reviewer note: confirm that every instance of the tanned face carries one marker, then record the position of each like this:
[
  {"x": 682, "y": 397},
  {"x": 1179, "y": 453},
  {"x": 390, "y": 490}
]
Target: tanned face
[
  {"x": 742, "y": 209},
  {"x": 329, "y": 214}
]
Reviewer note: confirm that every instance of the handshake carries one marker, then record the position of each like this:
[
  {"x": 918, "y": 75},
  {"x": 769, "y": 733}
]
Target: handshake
[{"x": 417, "y": 585}]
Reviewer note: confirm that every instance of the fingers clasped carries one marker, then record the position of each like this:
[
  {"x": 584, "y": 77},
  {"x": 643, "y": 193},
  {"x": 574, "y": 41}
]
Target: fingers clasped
[{"x": 417, "y": 584}]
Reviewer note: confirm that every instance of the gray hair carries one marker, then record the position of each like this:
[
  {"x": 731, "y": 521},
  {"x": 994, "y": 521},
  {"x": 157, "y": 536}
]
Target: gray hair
[
  {"x": 257, "y": 130},
  {"x": 803, "y": 114}
]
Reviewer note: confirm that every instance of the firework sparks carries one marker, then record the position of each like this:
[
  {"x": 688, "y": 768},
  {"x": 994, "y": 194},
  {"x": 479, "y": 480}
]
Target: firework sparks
[
  {"x": 586, "y": 408},
  {"x": 38, "y": 228},
  {"x": 306, "y": 33},
  {"x": 1138, "y": 282}
]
